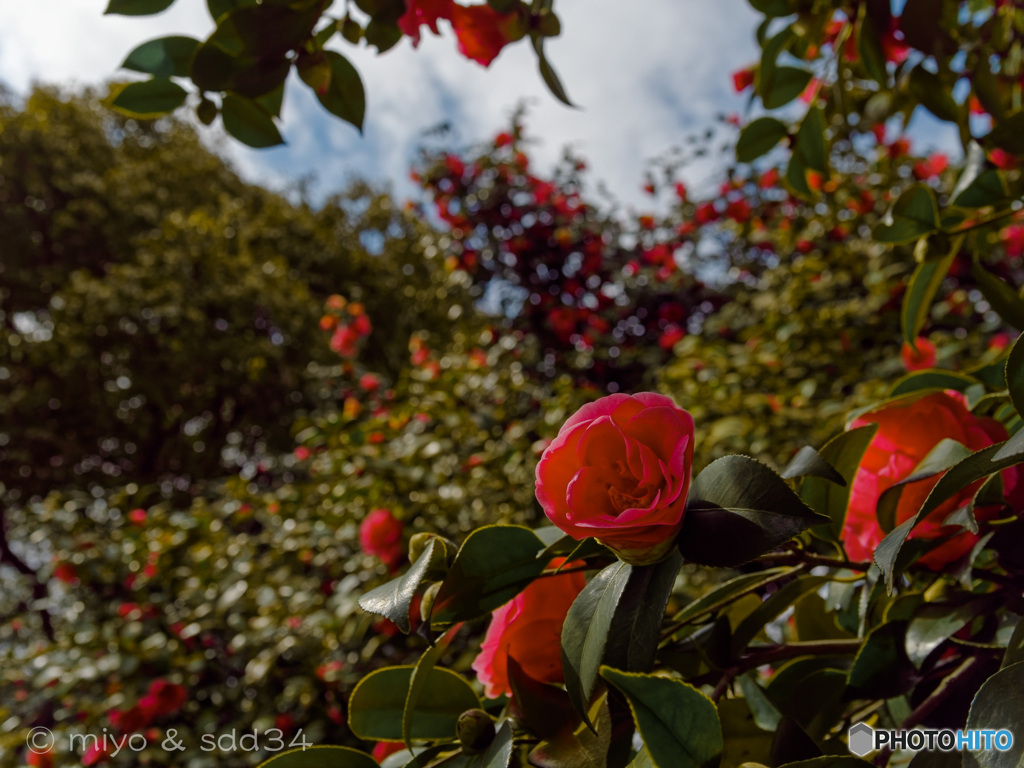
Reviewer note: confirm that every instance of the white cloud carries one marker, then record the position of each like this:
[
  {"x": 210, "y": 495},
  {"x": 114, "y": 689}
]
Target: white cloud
[{"x": 643, "y": 74}]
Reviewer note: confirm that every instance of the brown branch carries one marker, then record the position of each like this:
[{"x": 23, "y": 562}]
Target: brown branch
[
  {"x": 802, "y": 557},
  {"x": 39, "y": 590},
  {"x": 926, "y": 707},
  {"x": 774, "y": 654}
]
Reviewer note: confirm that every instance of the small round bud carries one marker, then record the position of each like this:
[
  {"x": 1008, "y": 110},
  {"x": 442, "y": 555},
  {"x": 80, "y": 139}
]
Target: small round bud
[
  {"x": 475, "y": 730},
  {"x": 206, "y": 111},
  {"x": 427, "y": 602}
]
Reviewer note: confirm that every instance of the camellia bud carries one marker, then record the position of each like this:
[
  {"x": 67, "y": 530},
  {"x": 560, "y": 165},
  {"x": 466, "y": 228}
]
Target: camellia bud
[
  {"x": 427, "y": 602},
  {"x": 419, "y": 542},
  {"x": 548, "y": 24},
  {"x": 475, "y": 730}
]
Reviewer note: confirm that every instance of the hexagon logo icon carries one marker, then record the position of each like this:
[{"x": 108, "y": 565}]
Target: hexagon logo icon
[{"x": 861, "y": 739}]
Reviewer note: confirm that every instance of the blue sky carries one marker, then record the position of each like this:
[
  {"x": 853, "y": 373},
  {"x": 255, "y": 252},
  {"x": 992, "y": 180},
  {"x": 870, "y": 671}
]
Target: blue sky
[{"x": 644, "y": 74}]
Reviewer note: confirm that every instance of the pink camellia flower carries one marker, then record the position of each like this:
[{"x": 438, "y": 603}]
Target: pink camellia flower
[
  {"x": 619, "y": 470},
  {"x": 529, "y": 629},
  {"x": 380, "y": 534},
  {"x": 384, "y": 748},
  {"x": 920, "y": 358},
  {"x": 908, "y": 430}
]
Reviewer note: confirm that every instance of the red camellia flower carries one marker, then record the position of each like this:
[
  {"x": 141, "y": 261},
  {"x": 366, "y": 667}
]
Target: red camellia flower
[
  {"x": 920, "y": 358},
  {"x": 423, "y": 12},
  {"x": 528, "y": 629},
  {"x": 619, "y": 470},
  {"x": 743, "y": 79},
  {"x": 380, "y": 534},
  {"x": 908, "y": 430},
  {"x": 482, "y": 32},
  {"x": 384, "y": 748}
]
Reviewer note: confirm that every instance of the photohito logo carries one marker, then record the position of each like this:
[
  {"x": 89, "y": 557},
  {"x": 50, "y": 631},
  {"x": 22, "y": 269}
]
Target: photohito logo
[{"x": 863, "y": 738}]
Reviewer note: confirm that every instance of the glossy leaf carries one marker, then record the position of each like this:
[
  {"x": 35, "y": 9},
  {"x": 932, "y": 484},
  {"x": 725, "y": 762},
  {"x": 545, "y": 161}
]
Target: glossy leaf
[
  {"x": 869, "y": 48},
  {"x": 944, "y": 455},
  {"x": 377, "y": 704},
  {"x": 759, "y": 137},
  {"x": 163, "y": 57},
  {"x": 1006, "y": 301},
  {"x": 244, "y": 120},
  {"x": 787, "y": 83},
  {"x": 585, "y": 748},
  {"x": 844, "y": 452},
  {"x": 934, "y": 623},
  {"x": 392, "y": 600},
  {"x": 738, "y": 509},
  {"x": 726, "y": 593},
  {"x": 150, "y": 98},
  {"x": 924, "y": 284},
  {"x": 138, "y": 7},
  {"x": 345, "y": 97},
  {"x": 928, "y": 89},
  {"x": 1015, "y": 647},
  {"x": 976, "y": 467},
  {"x": 915, "y": 214},
  {"x": 320, "y": 756},
  {"x": 810, "y": 144},
  {"x": 830, "y": 761},
  {"x": 1008, "y": 134},
  {"x": 494, "y": 564},
  {"x": 678, "y": 724},
  {"x": 766, "y": 714},
  {"x": 1015, "y": 375},
  {"x": 777, "y": 604},
  {"x": 874, "y": 673},
  {"x": 809, "y": 463},
  {"x": 545, "y": 709},
  {"x": 998, "y": 705},
  {"x": 919, "y": 381},
  {"x": 585, "y": 632},
  {"x": 547, "y": 72},
  {"x": 418, "y": 684}
]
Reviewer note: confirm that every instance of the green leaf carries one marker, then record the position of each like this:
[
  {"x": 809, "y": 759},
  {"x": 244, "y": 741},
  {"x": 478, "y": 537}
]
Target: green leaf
[
  {"x": 944, "y": 455},
  {"x": 759, "y": 137},
  {"x": 809, "y": 463},
  {"x": 1015, "y": 647},
  {"x": 494, "y": 564},
  {"x": 777, "y": 604},
  {"x": 844, "y": 452},
  {"x": 772, "y": 8},
  {"x": 377, "y": 704},
  {"x": 934, "y": 623},
  {"x": 831, "y": 761},
  {"x": 218, "y": 8},
  {"x": 163, "y": 57},
  {"x": 928, "y": 89},
  {"x": 149, "y": 99},
  {"x": 418, "y": 683},
  {"x": 381, "y": 34},
  {"x": 918, "y": 381},
  {"x": 739, "y": 508},
  {"x": 924, "y": 284},
  {"x": 271, "y": 102},
  {"x": 998, "y": 705},
  {"x": 392, "y": 600},
  {"x": 742, "y": 739},
  {"x": 633, "y": 637},
  {"x": 915, "y": 214},
  {"x": 585, "y": 632},
  {"x": 978, "y": 186},
  {"x": 766, "y": 715},
  {"x": 583, "y": 749},
  {"x": 1008, "y": 134},
  {"x": 320, "y": 756},
  {"x": 1015, "y": 375},
  {"x": 721, "y": 596},
  {"x": 869, "y": 48},
  {"x": 497, "y": 755},
  {"x": 138, "y": 7},
  {"x": 810, "y": 144},
  {"x": 678, "y": 724},
  {"x": 786, "y": 84},
  {"x": 547, "y": 72},
  {"x": 875, "y": 670},
  {"x": 975, "y": 467},
  {"x": 244, "y": 120},
  {"x": 1004, "y": 300},
  {"x": 546, "y": 709},
  {"x": 345, "y": 96}
]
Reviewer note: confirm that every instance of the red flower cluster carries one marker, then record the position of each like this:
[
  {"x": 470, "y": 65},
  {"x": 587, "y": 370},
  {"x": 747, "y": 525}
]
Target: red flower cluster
[
  {"x": 349, "y": 324},
  {"x": 481, "y": 31}
]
